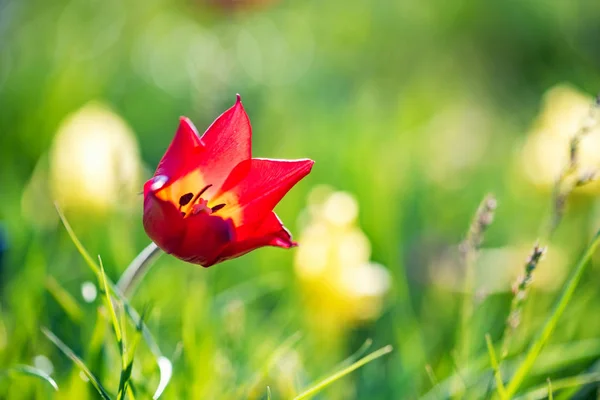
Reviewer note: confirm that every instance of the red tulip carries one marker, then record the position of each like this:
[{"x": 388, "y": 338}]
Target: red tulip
[{"x": 210, "y": 201}]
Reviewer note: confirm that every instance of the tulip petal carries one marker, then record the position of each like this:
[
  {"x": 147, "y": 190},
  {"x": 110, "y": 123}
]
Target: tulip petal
[
  {"x": 269, "y": 232},
  {"x": 255, "y": 186},
  {"x": 205, "y": 238},
  {"x": 183, "y": 152},
  {"x": 162, "y": 221},
  {"x": 227, "y": 143}
]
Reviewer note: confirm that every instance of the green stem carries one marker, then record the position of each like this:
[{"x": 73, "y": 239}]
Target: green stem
[
  {"x": 327, "y": 381},
  {"x": 137, "y": 269},
  {"x": 552, "y": 321},
  {"x": 495, "y": 367}
]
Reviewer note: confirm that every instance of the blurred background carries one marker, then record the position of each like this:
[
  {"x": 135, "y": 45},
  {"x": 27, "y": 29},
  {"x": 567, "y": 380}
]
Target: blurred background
[{"x": 413, "y": 112}]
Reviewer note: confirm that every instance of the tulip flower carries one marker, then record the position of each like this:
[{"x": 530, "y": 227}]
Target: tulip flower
[{"x": 210, "y": 201}]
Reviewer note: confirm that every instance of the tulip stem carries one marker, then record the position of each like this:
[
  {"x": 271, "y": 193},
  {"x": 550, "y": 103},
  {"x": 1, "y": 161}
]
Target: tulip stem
[{"x": 137, "y": 269}]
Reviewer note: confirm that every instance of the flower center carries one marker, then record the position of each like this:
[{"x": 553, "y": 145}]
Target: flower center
[{"x": 195, "y": 204}]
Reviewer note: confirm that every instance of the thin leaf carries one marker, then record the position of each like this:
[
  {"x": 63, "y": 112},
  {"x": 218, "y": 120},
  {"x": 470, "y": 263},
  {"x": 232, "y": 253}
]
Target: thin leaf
[
  {"x": 552, "y": 321},
  {"x": 130, "y": 391},
  {"x": 29, "y": 371},
  {"x": 130, "y": 311},
  {"x": 64, "y": 299},
  {"x": 78, "y": 361},
  {"x": 279, "y": 351},
  {"x": 165, "y": 372},
  {"x": 495, "y": 367},
  {"x": 357, "y": 354},
  {"x": 431, "y": 375},
  {"x": 110, "y": 306},
  {"x": 544, "y": 391},
  {"x": 108, "y": 301},
  {"x": 553, "y": 360},
  {"x": 86, "y": 256},
  {"x": 124, "y": 383},
  {"x": 250, "y": 290},
  {"x": 432, "y": 378},
  {"x": 340, "y": 374}
]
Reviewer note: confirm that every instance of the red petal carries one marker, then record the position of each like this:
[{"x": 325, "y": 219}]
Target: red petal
[
  {"x": 182, "y": 155},
  {"x": 227, "y": 143},
  {"x": 205, "y": 238},
  {"x": 197, "y": 239},
  {"x": 162, "y": 221},
  {"x": 255, "y": 186},
  {"x": 270, "y": 232}
]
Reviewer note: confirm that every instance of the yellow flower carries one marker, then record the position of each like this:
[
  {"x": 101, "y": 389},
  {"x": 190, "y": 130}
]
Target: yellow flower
[
  {"x": 342, "y": 286},
  {"x": 565, "y": 111},
  {"x": 94, "y": 161}
]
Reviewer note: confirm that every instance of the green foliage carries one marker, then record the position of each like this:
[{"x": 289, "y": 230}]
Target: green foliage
[{"x": 416, "y": 108}]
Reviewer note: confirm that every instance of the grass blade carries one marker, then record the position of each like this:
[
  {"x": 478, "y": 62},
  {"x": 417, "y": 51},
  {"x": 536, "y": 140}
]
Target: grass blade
[
  {"x": 552, "y": 361},
  {"x": 111, "y": 308},
  {"x": 279, "y": 351},
  {"x": 357, "y": 354},
  {"x": 552, "y": 321},
  {"x": 117, "y": 330},
  {"x": 86, "y": 256},
  {"x": 124, "y": 384},
  {"x": 130, "y": 311},
  {"x": 340, "y": 374},
  {"x": 78, "y": 361},
  {"x": 495, "y": 367},
  {"x": 29, "y": 371},
  {"x": 544, "y": 391},
  {"x": 64, "y": 299},
  {"x": 165, "y": 371}
]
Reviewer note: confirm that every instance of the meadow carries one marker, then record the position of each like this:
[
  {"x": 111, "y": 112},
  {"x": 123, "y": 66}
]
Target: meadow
[{"x": 447, "y": 232}]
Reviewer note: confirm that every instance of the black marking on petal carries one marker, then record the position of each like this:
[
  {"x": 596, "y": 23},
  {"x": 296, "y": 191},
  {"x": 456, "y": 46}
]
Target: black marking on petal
[
  {"x": 185, "y": 199},
  {"x": 204, "y": 190},
  {"x": 200, "y": 193},
  {"x": 217, "y": 207}
]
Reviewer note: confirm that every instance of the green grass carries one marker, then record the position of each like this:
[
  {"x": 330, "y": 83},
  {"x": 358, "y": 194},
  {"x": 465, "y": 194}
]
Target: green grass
[{"x": 418, "y": 110}]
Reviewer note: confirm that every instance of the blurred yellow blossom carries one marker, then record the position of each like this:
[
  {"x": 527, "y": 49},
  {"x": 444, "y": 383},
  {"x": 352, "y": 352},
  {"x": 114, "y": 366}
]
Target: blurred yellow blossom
[
  {"x": 565, "y": 111},
  {"x": 94, "y": 160},
  {"x": 341, "y": 284}
]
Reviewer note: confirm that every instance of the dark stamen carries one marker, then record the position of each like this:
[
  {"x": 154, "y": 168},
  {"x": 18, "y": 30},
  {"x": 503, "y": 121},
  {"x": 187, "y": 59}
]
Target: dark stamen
[
  {"x": 217, "y": 207},
  {"x": 200, "y": 193},
  {"x": 185, "y": 199}
]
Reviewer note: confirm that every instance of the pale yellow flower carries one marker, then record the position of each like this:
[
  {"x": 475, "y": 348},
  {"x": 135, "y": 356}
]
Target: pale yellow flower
[
  {"x": 94, "y": 161},
  {"x": 342, "y": 285},
  {"x": 545, "y": 154}
]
